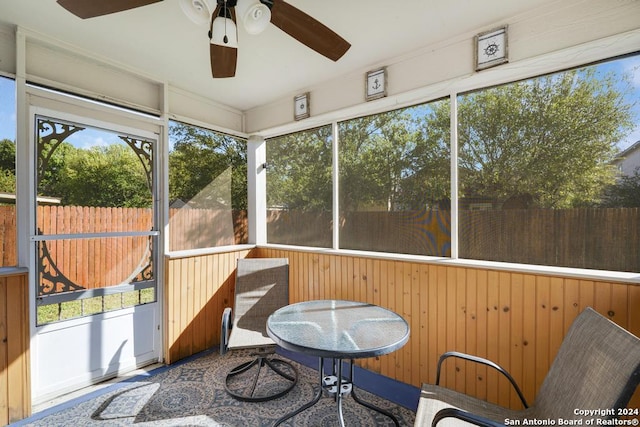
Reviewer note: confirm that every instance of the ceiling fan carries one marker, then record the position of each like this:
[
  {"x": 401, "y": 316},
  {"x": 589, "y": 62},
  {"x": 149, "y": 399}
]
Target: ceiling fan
[{"x": 223, "y": 37}]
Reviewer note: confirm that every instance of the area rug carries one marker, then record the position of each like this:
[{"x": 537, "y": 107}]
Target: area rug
[{"x": 193, "y": 394}]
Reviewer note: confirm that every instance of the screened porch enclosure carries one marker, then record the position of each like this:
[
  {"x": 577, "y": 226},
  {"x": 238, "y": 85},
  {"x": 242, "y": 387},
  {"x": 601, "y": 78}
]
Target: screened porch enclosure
[{"x": 488, "y": 206}]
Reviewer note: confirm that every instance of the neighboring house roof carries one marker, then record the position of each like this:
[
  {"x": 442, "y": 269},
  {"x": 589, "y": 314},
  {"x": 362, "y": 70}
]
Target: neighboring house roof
[
  {"x": 628, "y": 160},
  {"x": 10, "y": 198}
]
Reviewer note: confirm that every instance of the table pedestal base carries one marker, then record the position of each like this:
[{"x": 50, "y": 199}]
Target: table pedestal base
[{"x": 338, "y": 387}]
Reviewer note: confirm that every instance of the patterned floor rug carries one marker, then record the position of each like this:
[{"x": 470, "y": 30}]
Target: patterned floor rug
[{"x": 193, "y": 394}]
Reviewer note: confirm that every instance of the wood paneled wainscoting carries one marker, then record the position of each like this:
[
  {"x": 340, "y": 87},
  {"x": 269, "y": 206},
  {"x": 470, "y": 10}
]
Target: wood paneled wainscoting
[
  {"x": 197, "y": 290},
  {"x": 15, "y": 379},
  {"x": 515, "y": 319}
]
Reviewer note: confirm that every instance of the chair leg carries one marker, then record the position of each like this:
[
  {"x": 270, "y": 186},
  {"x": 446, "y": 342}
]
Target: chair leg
[
  {"x": 248, "y": 394},
  {"x": 280, "y": 372}
]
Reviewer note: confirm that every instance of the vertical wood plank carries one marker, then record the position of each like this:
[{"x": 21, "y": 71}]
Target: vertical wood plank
[
  {"x": 504, "y": 334},
  {"x": 493, "y": 326},
  {"x": 15, "y": 379},
  {"x": 571, "y": 304},
  {"x": 344, "y": 280},
  {"x": 516, "y": 366},
  {"x": 619, "y": 310},
  {"x": 356, "y": 280},
  {"x": 405, "y": 312},
  {"x": 423, "y": 342},
  {"x": 199, "y": 325},
  {"x": 556, "y": 316},
  {"x": 333, "y": 263},
  {"x": 17, "y": 340},
  {"x": 529, "y": 348},
  {"x": 460, "y": 323},
  {"x": 385, "y": 278},
  {"x": 432, "y": 323},
  {"x": 482, "y": 331},
  {"x": 542, "y": 328},
  {"x": 322, "y": 277},
  {"x": 415, "y": 296},
  {"x": 442, "y": 331},
  {"x": 398, "y": 356},
  {"x": 471, "y": 329},
  {"x": 4, "y": 363}
]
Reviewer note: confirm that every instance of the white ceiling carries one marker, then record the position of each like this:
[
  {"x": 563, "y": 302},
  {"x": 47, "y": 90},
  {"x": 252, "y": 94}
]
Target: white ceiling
[{"x": 161, "y": 42}]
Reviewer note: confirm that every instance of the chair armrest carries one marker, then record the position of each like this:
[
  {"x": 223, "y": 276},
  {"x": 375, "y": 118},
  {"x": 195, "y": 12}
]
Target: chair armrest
[
  {"x": 482, "y": 361},
  {"x": 464, "y": 416},
  {"x": 225, "y": 329}
]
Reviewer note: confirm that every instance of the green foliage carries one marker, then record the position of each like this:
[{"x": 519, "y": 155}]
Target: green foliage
[
  {"x": 8, "y": 155},
  {"x": 7, "y": 181},
  {"x": 199, "y": 156},
  {"x": 393, "y": 161},
  {"x": 299, "y": 170},
  {"x": 624, "y": 193},
  {"x": 110, "y": 176},
  {"x": 551, "y": 139},
  {"x": 7, "y": 166},
  {"x": 547, "y": 142},
  {"x": 114, "y": 175},
  {"x": 51, "y": 176}
]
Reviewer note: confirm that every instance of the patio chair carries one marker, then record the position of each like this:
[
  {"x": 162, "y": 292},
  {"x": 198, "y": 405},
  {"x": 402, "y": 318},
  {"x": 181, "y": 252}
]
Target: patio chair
[
  {"x": 262, "y": 286},
  {"x": 597, "y": 367}
]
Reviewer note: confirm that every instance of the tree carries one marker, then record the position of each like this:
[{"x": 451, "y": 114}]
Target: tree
[
  {"x": 109, "y": 176},
  {"x": 624, "y": 193},
  {"x": 550, "y": 139},
  {"x": 7, "y": 166},
  {"x": 50, "y": 175},
  {"x": 546, "y": 142},
  {"x": 299, "y": 170},
  {"x": 199, "y": 156},
  {"x": 373, "y": 152},
  {"x": 426, "y": 180}
]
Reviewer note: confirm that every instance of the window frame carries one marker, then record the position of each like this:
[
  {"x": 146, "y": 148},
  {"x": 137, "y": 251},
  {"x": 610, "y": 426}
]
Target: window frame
[
  {"x": 174, "y": 254},
  {"x": 595, "y": 53},
  {"x": 68, "y": 108}
]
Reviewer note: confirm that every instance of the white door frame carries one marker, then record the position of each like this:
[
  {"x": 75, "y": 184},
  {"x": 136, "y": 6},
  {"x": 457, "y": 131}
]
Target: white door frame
[{"x": 111, "y": 343}]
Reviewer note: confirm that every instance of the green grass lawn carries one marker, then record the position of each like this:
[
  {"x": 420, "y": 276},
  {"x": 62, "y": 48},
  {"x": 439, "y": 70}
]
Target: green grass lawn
[{"x": 86, "y": 307}]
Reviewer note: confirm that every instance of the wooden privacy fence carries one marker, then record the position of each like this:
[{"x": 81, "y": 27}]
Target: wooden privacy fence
[
  {"x": 8, "y": 255},
  {"x": 426, "y": 232},
  {"x": 204, "y": 228},
  {"x": 605, "y": 239},
  {"x": 69, "y": 264},
  {"x": 99, "y": 262},
  {"x": 601, "y": 239}
]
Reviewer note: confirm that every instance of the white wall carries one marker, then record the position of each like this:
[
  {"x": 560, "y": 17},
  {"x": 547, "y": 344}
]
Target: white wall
[
  {"x": 438, "y": 70},
  {"x": 630, "y": 162},
  {"x": 65, "y": 68},
  {"x": 567, "y": 27}
]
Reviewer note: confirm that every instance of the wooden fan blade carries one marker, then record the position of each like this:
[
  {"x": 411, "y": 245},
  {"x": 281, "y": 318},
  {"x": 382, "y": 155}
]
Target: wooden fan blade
[
  {"x": 308, "y": 31},
  {"x": 223, "y": 61},
  {"x": 223, "y": 58},
  {"x": 91, "y": 8}
]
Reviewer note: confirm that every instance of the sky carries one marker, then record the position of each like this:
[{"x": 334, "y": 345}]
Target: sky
[
  {"x": 96, "y": 137},
  {"x": 7, "y": 109}
]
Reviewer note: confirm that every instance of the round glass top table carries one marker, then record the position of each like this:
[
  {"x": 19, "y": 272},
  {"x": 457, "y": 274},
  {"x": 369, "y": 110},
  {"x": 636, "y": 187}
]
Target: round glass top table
[{"x": 340, "y": 330}]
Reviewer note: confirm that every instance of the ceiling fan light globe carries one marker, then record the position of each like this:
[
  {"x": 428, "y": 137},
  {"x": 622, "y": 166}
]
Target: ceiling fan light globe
[
  {"x": 224, "y": 33},
  {"x": 197, "y": 11},
  {"x": 255, "y": 15}
]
